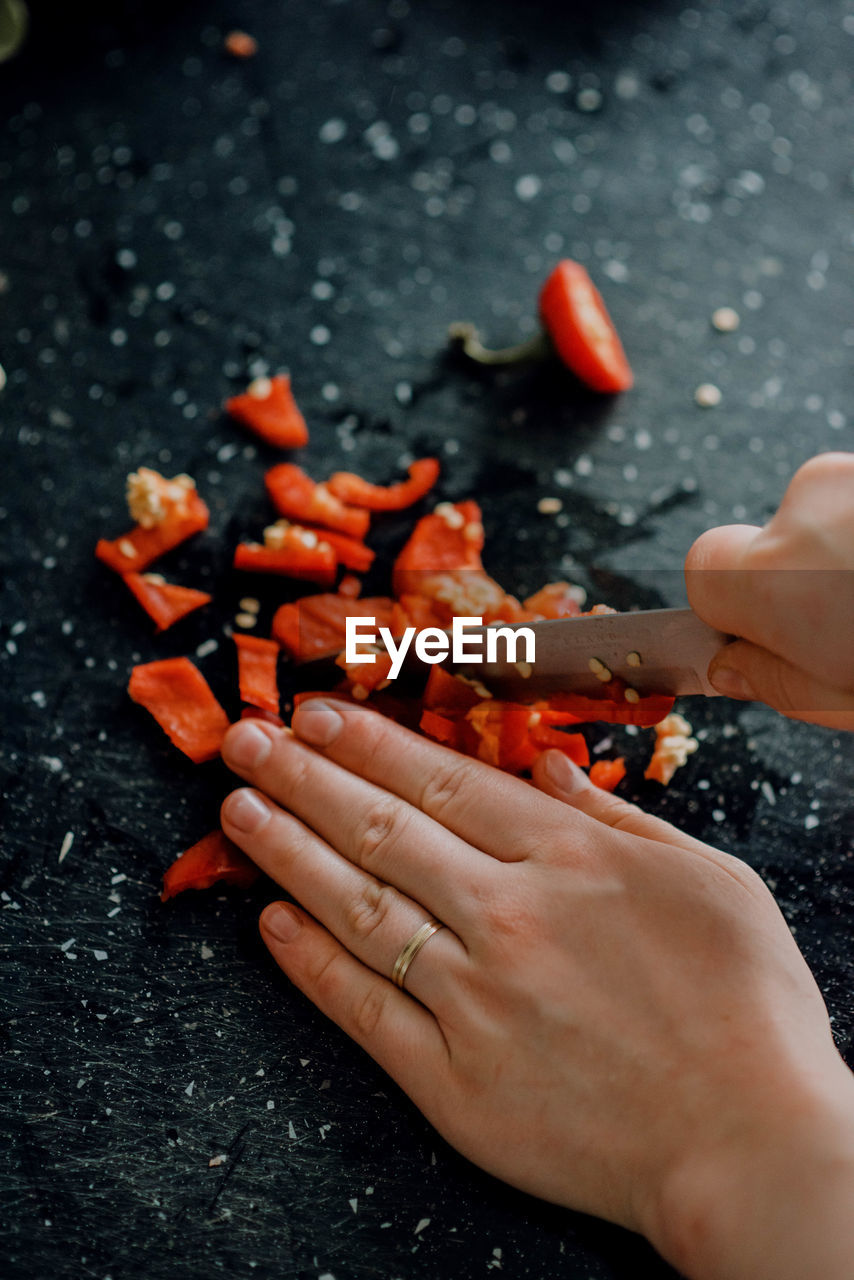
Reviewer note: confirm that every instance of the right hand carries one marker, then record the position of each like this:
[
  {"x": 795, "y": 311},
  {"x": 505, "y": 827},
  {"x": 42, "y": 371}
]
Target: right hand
[{"x": 787, "y": 592}]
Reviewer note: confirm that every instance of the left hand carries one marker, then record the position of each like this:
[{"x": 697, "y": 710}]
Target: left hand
[{"x": 613, "y": 1009}]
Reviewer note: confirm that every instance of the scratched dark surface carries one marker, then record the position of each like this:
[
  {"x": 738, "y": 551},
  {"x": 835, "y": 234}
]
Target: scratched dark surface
[{"x": 173, "y": 222}]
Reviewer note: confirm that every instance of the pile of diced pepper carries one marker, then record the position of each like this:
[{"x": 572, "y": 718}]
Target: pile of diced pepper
[{"x": 438, "y": 575}]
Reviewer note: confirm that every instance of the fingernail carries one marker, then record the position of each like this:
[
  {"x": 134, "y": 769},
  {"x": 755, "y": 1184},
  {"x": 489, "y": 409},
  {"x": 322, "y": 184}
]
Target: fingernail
[
  {"x": 282, "y": 922},
  {"x": 563, "y": 772},
  {"x": 246, "y": 810},
  {"x": 246, "y": 745},
  {"x": 318, "y": 722},
  {"x": 730, "y": 683}
]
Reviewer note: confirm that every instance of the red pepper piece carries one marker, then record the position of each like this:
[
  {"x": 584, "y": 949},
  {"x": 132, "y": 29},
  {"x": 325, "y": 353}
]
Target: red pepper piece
[
  {"x": 607, "y": 774},
  {"x": 573, "y": 745},
  {"x": 583, "y": 334},
  {"x": 502, "y": 736},
  {"x": 293, "y": 559},
  {"x": 165, "y": 602},
  {"x": 364, "y": 677},
  {"x": 419, "y": 612},
  {"x": 612, "y": 706},
  {"x": 440, "y": 728},
  {"x": 555, "y": 600},
  {"x": 348, "y": 551},
  {"x": 179, "y": 697},
  {"x": 212, "y": 858},
  {"x": 137, "y": 549},
  {"x": 449, "y": 695},
  {"x": 297, "y": 497},
  {"x": 449, "y": 538},
  {"x": 256, "y": 671},
  {"x": 268, "y": 408},
  {"x": 351, "y": 488},
  {"x": 315, "y": 627}
]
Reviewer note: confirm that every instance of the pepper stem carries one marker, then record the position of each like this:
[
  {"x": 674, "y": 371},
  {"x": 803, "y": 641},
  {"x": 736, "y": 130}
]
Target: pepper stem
[{"x": 466, "y": 337}]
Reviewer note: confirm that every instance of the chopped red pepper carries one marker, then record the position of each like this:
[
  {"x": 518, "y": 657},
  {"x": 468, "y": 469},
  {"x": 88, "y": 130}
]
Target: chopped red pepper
[
  {"x": 613, "y": 707},
  {"x": 351, "y": 488},
  {"x": 268, "y": 408},
  {"x": 294, "y": 557},
  {"x": 449, "y": 695},
  {"x": 212, "y": 858},
  {"x": 555, "y": 600},
  {"x": 137, "y": 549},
  {"x": 502, "y": 735},
  {"x": 607, "y": 774},
  {"x": 165, "y": 602},
  {"x": 256, "y": 671},
  {"x": 296, "y": 496},
  {"x": 573, "y": 745},
  {"x": 440, "y": 728},
  {"x": 315, "y": 627},
  {"x": 583, "y": 334},
  {"x": 450, "y": 538},
  {"x": 240, "y": 44},
  {"x": 348, "y": 551},
  {"x": 179, "y": 697},
  {"x": 350, "y": 586},
  {"x": 363, "y": 677}
]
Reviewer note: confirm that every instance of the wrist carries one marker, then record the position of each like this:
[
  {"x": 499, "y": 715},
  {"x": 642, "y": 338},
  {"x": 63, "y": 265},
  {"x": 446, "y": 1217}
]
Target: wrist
[{"x": 771, "y": 1196}]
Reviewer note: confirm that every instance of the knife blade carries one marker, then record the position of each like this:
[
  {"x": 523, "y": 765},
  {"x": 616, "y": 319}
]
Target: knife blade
[{"x": 673, "y": 647}]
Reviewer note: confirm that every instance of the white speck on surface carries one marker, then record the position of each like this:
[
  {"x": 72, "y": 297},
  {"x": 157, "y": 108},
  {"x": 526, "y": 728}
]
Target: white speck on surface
[
  {"x": 65, "y": 847},
  {"x": 589, "y": 100},
  {"x": 354, "y": 1204},
  {"x": 558, "y": 82},
  {"x": 726, "y": 320},
  {"x": 718, "y": 815},
  {"x": 528, "y": 187},
  {"x": 189, "y": 1089},
  {"x": 320, "y": 335},
  {"x": 119, "y": 878},
  {"x": 768, "y": 791},
  {"x": 217, "y": 1161},
  {"x": 584, "y": 465},
  {"x": 811, "y": 821},
  {"x": 271, "y": 1106},
  {"x": 707, "y": 395},
  {"x": 39, "y": 698},
  {"x": 423, "y": 1223},
  {"x": 99, "y": 955},
  {"x": 292, "y": 1133},
  {"x": 66, "y": 946},
  {"x": 205, "y": 952}
]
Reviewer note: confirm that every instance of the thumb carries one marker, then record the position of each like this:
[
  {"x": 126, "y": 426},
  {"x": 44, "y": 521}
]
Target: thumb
[
  {"x": 750, "y": 673},
  {"x": 556, "y": 775}
]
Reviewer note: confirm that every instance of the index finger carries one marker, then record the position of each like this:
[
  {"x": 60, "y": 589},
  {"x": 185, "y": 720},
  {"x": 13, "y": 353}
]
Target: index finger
[{"x": 491, "y": 810}]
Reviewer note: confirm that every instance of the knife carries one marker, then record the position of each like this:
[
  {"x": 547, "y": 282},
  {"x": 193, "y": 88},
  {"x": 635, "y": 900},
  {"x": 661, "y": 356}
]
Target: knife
[{"x": 670, "y": 654}]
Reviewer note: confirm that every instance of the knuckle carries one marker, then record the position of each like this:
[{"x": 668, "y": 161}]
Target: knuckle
[
  {"x": 368, "y": 1011},
  {"x": 442, "y": 789},
  {"x": 375, "y": 832},
  {"x": 367, "y": 912}
]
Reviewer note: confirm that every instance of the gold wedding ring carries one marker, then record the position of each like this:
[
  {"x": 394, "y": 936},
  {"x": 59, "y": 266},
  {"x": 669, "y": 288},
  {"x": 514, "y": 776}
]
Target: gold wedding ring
[{"x": 411, "y": 948}]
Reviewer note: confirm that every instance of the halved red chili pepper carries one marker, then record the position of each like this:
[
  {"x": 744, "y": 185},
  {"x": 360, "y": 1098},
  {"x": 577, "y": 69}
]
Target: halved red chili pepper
[
  {"x": 268, "y": 408},
  {"x": 315, "y": 626},
  {"x": 295, "y": 558},
  {"x": 211, "y": 859},
  {"x": 296, "y": 496},
  {"x": 576, "y": 326},
  {"x": 165, "y": 602},
  {"x": 256, "y": 671},
  {"x": 351, "y": 488},
  {"x": 583, "y": 333},
  {"x": 137, "y": 548},
  {"x": 176, "y": 693},
  {"x": 607, "y": 774}
]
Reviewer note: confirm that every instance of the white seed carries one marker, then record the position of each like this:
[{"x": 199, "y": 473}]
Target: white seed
[
  {"x": 525, "y": 670},
  {"x": 156, "y": 579},
  {"x": 725, "y": 320},
  {"x": 632, "y": 695},
  {"x": 127, "y": 549},
  {"x": 595, "y": 665},
  {"x": 473, "y": 531},
  {"x": 250, "y": 605},
  {"x": 246, "y": 620},
  {"x": 633, "y": 659},
  {"x": 359, "y": 692},
  {"x": 707, "y": 395},
  {"x": 604, "y": 675},
  {"x": 260, "y": 388},
  {"x": 549, "y": 506}
]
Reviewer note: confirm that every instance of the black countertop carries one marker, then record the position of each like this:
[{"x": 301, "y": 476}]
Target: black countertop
[{"x": 175, "y": 222}]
